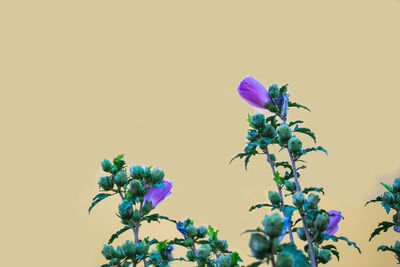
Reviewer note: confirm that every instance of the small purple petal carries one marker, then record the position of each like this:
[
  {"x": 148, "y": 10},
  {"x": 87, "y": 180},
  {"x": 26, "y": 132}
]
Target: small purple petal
[
  {"x": 253, "y": 92},
  {"x": 157, "y": 194},
  {"x": 333, "y": 226},
  {"x": 286, "y": 223}
]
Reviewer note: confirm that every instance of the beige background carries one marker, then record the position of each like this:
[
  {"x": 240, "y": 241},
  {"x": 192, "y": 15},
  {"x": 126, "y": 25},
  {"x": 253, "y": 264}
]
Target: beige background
[{"x": 156, "y": 80}]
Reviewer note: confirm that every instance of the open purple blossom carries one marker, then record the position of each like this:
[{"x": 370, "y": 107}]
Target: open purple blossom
[
  {"x": 254, "y": 92},
  {"x": 156, "y": 194},
  {"x": 334, "y": 219},
  {"x": 286, "y": 225},
  {"x": 181, "y": 228}
]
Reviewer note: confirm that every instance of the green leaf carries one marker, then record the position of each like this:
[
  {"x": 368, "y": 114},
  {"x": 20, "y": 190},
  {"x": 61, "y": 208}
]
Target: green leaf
[
  {"x": 118, "y": 233},
  {"x": 305, "y": 131},
  {"x": 385, "y": 248},
  {"x": 296, "y": 105},
  {"x": 235, "y": 258},
  {"x": 119, "y": 161},
  {"x": 258, "y": 230},
  {"x": 278, "y": 179},
  {"x": 386, "y": 206},
  {"x": 99, "y": 198},
  {"x": 382, "y": 226},
  {"x": 295, "y": 122},
  {"x": 283, "y": 89},
  {"x": 313, "y": 189},
  {"x": 284, "y": 164},
  {"x": 378, "y": 199},
  {"x": 212, "y": 233},
  {"x": 250, "y": 122},
  {"x": 388, "y": 187},
  {"x": 260, "y": 206},
  {"x": 300, "y": 260},
  {"x": 337, "y": 238},
  {"x": 255, "y": 264},
  {"x": 272, "y": 119},
  {"x": 151, "y": 218},
  {"x": 318, "y": 148},
  {"x": 288, "y": 211}
]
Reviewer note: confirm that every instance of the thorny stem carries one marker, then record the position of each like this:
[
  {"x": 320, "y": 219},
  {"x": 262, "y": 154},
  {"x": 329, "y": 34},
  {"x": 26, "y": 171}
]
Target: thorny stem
[
  {"x": 298, "y": 188},
  {"x": 271, "y": 163}
]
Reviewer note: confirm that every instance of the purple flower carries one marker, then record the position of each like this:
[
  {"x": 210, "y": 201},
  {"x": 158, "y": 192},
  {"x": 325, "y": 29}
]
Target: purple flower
[
  {"x": 254, "y": 92},
  {"x": 334, "y": 219},
  {"x": 156, "y": 194}
]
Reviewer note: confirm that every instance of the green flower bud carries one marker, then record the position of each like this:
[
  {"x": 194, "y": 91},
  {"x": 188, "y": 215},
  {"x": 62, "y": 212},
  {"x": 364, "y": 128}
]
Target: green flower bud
[
  {"x": 204, "y": 251},
  {"x": 129, "y": 250},
  {"x": 252, "y": 135},
  {"x": 121, "y": 179},
  {"x": 126, "y": 264},
  {"x": 222, "y": 245},
  {"x": 309, "y": 222},
  {"x": 259, "y": 245},
  {"x": 313, "y": 200},
  {"x": 298, "y": 199},
  {"x": 125, "y": 210},
  {"x": 202, "y": 231},
  {"x": 106, "y": 183},
  {"x": 119, "y": 253},
  {"x": 224, "y": 260},
  {"x": 187, "y": 222},
  {"x": 397, "y": 246},
  {"x": 106, "y": 165},
  {"x": 114, "y": 170},
  {"x": 322, "y": 222},
  {"x": 273, "y": 90},
  {"x": 192, "y": 231},
  {"x": 271, "y": 107},
  {"x": 190, "y": 256},
  {"x": 294, "y": 144},
  {"x": 136, "y": 216},
  {"x": 147, "y": 173},
  {"x": 263, "y": 144},
  {"x": 114, "y": 262},
  {"x": 157, "y": 175},
  {"x": 301, "y": 233},
  {"x": 388, "y": 197},
  {"x": 285, "y": 260},
  {"x": 137, "y": 188},
  {"x": 189, "y": 242},
  {"x": 274, "y": 225},
  {"x": 108, "y": 252},
  {"x": 274, "y": 197},
  {"x": 137, "y": 171},
  {"x": 142, "y": 249},
  {"x": 290, "y": 186},
  {"x": 396, "y": 185},
  {"x": 258, "y": 120},
  {"x": 284, "y": 132},
  {"x": 146, "y": 207},
  {"x": 325, "y": 256}
]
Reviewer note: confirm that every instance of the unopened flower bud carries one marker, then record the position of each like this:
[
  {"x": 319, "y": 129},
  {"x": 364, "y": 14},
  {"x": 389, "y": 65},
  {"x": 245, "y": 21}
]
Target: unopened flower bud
[
  {"x": 136, "y": 188},
  {"x": 129, "y": 250},
  {"x": 192, "y": 231},
  {"x": 106, "y": 183},
  {"x": 106, "y": 165},
  {"x": 222, "y": 245},
  {"x": 202, "y": 231},
  {"x": 119, "y": 253},
  {"x": 273, "y": 90},
  {"x": 187, "y": 222},
  {"x": 290, "y": 186},
  {"x": 325, "y": 256},
  {"x": 121, "y": 178},
  {"x": 108, "y": 252},
  {"x": 258, "y": 120},
  {"x": 136, "y": 216},
  {"x": 298, "y": 199},
  {"x": 396, "y": 185},
  {"x": 252, "y": 135},
  {"x": 224, "y": 260},
  {"x": 146, "y": 207},
  {"x": 284, "y": 132},
  {"x": 322, "y": 222},
  {"x": 142, "y": 249},
  {"x": 157, "y": 175},
  {"x": 294, "y": 144},
  {"x": 263, "y": 144},
  {"x": 114, "y": 262},
  {"x": 388, "y": 197},
  {"x": 125, "y": 210},
  {"x": 313, "y": 200},
  {"x": 190, "y": 256},
  {"x": 274, "y": 198},
  {"x": 136, "y": 171},
  {"x": 285, "y": 260},
  {"x": 397, "y": 246},
  {"x": 204, "y": 251},
  {"x": 189, "y": 242},
  {"x": 301, "y": 233},
  {"x": 274, "y": 225},
  {"x": 259, "y": 245},
  {"x": 268, "y": 132}
]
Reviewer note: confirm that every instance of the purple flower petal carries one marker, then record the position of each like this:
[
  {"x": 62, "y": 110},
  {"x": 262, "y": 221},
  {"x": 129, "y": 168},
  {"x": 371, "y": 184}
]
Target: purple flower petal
[
  {"x": 333, "y": 226},
  {"x": 253, "y": 92},
  {"x": 157, "y": 194}
]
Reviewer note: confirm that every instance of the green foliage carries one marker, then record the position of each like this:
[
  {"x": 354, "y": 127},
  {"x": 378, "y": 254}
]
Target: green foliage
[
  {"x": 382, "y": 226},
  {"x": 296, "y": 105},
  {"x": 313, "y": 189},
  {"x": 118, "y": 233},
  {"x": 99, "y": 198},
  {"x": 306, "y": 131}
]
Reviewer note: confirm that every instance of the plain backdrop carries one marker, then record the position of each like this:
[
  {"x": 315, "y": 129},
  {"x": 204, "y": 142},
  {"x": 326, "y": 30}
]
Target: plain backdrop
[{"x": 156, "y": 80}]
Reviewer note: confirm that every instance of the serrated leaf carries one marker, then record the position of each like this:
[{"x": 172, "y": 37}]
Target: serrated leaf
[
  {"x": 249, "y": 121},
  {"x": 277, "y": 178},
  {"x": 318, "y": 148},
  {"x": 151, "y": 218},
  {"x": 388, "y": 187},
  {"x": 385, "y": 248},
  {"x": 118, "y": 233},
  {"x": 377, "y": 199},
  {"x": 296, "y": 105},
  {"x": 386, "y": 206},
  {"x": 295, "y": 122},
  {"x": 313, "y": 189},
  {"x": 284, "y": 164},
  {"x": 260, "y": 206},
  {"x": 382, "y": 226},
  {"x": 336, "y": 238},
  {"x": 306, "y": 131},
  {"x": 99, "y": 198},
  {"x": 212, "y": 233}
]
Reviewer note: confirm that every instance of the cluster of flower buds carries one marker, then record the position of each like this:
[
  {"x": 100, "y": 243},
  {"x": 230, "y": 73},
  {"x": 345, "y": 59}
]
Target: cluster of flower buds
[
  {"x": 390, "y": 200},
  {"x": 122, "y": 255}
]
